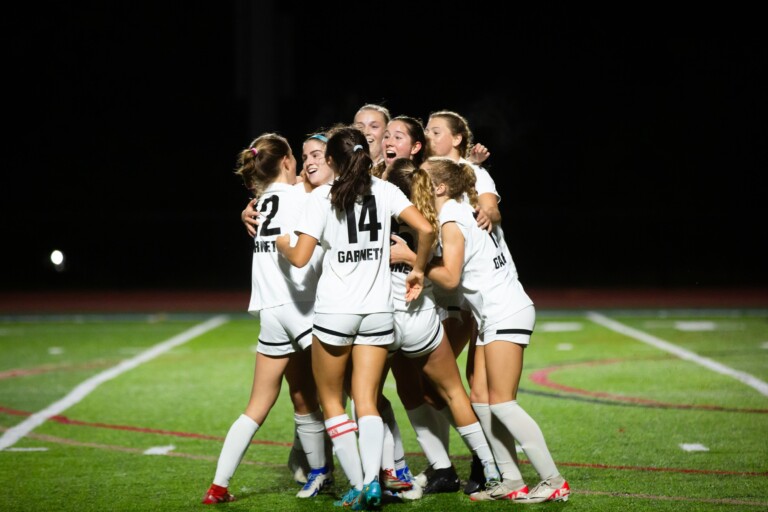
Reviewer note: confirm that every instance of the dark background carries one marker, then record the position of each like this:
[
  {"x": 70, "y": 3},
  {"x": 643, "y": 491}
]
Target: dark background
[{"x": 627, "y": 144}]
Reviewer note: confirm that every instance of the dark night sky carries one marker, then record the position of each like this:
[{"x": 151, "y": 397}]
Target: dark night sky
[{"x": 628, "y": 146}]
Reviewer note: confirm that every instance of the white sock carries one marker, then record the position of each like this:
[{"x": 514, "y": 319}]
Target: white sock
[
  {"x": 473, "y": 437},
  {"x": 388, "y": 450},
  {"x": 501, "y": 442},
  {"x": 371, "y": 440},
  {"x": 444, "y": 422},
  {"x": 388, "y": 416},
  {"x": 423, "y": 421},
  {"x": 342, "y": 433},
  {"x": 311, "y": 432},
  {"x": 529, "y": 435},
  {"x": 235, "y": 445}
]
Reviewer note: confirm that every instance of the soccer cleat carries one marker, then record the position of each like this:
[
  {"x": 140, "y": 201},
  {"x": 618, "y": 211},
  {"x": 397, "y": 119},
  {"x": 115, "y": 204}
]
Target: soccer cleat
[
  {"x": 554, "y": 489},
  {"x": 298, "y": 465},
  {"x": 476, "y": 477},
  {"x": 217, "y": 494},
  {"x": 415, "y": 493},
  {"x": 392, "y": 482},
  {"x": 443, "y": 480},
  {"x": 404, "y": 474},
  {"x": 422, "y": 479},
  {"x": 352, "y": 500},
  {"x": 371, "y": 495},
  {"x": 501, "y": 490},
  {"x": 317, "y": 480}
]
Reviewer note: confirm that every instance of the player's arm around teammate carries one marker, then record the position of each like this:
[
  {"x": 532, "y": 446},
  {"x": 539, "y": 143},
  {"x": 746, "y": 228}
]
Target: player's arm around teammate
[{"x": 353, "y": 307}]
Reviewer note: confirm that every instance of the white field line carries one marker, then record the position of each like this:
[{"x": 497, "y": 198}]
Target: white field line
[
  {"x": 749, "y": 380},
  {"x": 13, "y": 434}
]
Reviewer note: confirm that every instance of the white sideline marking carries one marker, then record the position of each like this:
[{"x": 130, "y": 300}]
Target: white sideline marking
[
  {"x": 749, "y": 380},
  {"x": 13, "y": 434},
  {"x": 159, "y": 450},
  {"x": 693, "y": 447},
  {"x": 55, "y": 351},
  {"x": 559, "y": 326},
  {"x": 564, "y": 346},
  {"x": 693, "y": 326},
  {"x": 38, "y": 449}
]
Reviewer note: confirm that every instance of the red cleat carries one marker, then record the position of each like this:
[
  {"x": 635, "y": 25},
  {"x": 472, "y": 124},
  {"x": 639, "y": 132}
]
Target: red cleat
[{"x": 217, "y": 494}]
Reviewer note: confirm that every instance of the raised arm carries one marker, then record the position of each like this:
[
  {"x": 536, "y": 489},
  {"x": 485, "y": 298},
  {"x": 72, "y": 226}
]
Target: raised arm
[
  {"x": 300, "y": 254},
  {"x": 250, "y": 218},
  {"x": 414, "y": 283},
  {"x": 447, "y": 275},
  {"x": 488, "y": 213}
]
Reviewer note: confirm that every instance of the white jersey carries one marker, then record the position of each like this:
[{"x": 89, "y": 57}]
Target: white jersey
[
  {"x": 274, "y": 280},
  {"x": 484, "y": 184},
  {"x": 355, "y": 278},
  {"x": 491, "y": 289},
  {"x": 400, "y": 271}
]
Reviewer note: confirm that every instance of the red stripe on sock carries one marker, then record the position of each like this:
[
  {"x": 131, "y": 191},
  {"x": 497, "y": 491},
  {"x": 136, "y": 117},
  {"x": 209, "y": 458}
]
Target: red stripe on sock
[{"x": 342, "y": 428}]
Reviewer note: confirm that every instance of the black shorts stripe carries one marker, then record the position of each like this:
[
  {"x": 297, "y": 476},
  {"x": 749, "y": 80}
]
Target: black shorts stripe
[
  {"x": 308, "y": 331},
  {"x": 514, "y": 331},
  {"x": 419, "y": 349},
  {"x": 380, "y": 333},
  {"x": 329, "y": 331},
  {"x": 272, "y": 344}
]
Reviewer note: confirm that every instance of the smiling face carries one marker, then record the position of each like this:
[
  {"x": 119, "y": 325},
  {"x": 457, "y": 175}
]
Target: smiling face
[
  {"x": 315, "y": 167},
  {"x": 398, "y": 143},
  {"x": 372, "y": 123}
]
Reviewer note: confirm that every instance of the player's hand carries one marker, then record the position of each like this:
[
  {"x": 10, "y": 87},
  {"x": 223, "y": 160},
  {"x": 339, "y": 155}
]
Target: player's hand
[
  {"x": 250, "y": 218},
  {"x": 478, "y": 154},
  {"x": 399, "y": 252},
  {"x": 483, "y": 220},
  {"x": 283, "y": 242},
  {"x": 414, "y": 284}
]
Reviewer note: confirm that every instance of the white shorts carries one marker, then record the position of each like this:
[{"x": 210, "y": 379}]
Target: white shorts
[
  {"x": 516, "y": 328},
  {"x": 285, "y": 329},
  {"x": 417, "y": 333},
  {"x": 344, "y": 329},
  {"x": 450, "y": 304}
]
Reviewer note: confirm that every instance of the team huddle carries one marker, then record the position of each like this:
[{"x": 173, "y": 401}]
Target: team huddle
[{"x": 386, "y": 253}]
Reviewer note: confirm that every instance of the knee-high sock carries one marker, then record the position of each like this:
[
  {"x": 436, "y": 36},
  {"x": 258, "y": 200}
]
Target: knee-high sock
[
  {"x": 235, "y": 445},
  {"x": 371, "y": 440},
  {"x": 342, "y": 432},
  {"x": 388, "y": 416},
  {"x": 423, "y": 421},
  {"x": 443, "y": 422},
  {"x": 502, "y": 444},
  {"x": 311, "y": 430},
  {"x": 529, "y": 435},
  {"x": 388, "y": 449},
  {"x": 473, "y": 437}
]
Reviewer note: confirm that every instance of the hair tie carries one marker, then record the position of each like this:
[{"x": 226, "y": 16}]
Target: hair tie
[
  {"x": 357, "y": 148},
  {"x": 320, "y": 137},
  {"x": 255, "y": 151}
]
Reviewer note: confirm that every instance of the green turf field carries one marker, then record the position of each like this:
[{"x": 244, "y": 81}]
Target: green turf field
[{"x": 642, "y": 410}]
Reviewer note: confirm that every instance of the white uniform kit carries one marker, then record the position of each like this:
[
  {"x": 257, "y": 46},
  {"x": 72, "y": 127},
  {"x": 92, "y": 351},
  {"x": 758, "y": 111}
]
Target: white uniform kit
[
  {"x": 282, "y": 295},
  {"x": 488, "y": 282},
  {"x": 418, "y": 330},
  {"x": 355, "y": 279}
]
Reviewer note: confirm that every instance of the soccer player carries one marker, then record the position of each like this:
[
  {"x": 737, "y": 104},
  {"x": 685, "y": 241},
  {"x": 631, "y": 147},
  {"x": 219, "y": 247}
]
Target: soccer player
[
  {"x": 480, "y": 266},
  {"x": 351, "y": 219},
  {"x": 283, "y": 298}
]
